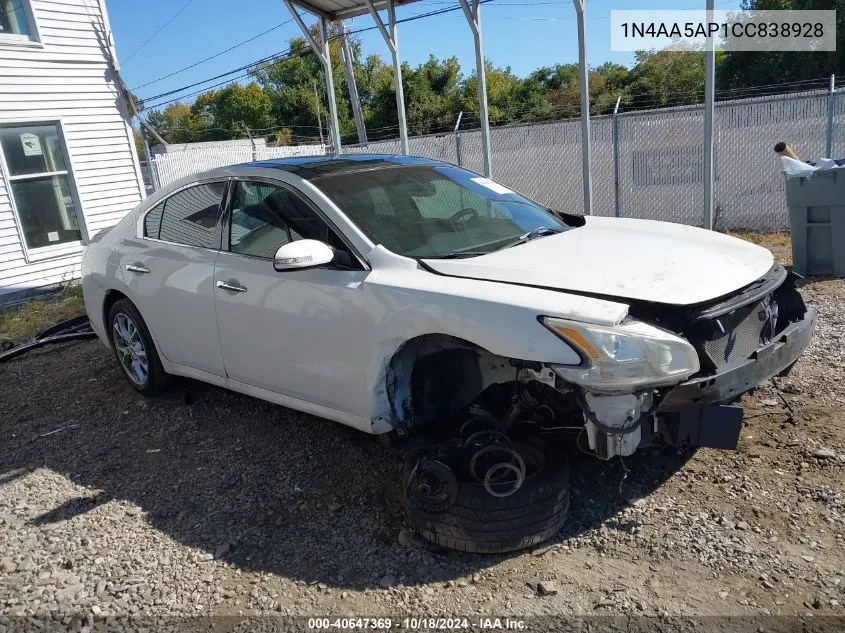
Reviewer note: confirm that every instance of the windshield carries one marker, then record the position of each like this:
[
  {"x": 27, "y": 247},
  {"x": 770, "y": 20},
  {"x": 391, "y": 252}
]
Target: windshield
[{"x": 436, "y": 211}]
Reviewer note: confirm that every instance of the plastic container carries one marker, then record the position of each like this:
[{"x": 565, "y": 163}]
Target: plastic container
[{"x": 817, "y": 222}]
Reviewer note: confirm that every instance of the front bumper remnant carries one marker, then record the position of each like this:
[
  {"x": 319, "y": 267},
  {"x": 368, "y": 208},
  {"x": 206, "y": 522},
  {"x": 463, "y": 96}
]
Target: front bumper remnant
[{"x": 691, "y": 413}]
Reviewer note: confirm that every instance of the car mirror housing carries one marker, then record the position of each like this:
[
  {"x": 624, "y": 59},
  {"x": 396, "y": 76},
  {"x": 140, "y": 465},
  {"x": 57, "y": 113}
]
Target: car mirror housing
[{"x": 302, "y": 254}]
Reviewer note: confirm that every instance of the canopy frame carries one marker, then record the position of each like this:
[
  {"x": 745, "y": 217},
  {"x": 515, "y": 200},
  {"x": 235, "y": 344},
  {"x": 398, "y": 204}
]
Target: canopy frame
[{"x": 338, "y": 10}]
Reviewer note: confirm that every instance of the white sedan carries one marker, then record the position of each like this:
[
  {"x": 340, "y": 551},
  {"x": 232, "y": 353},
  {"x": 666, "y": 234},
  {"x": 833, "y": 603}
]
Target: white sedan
[{"x": 408, "y": 295}]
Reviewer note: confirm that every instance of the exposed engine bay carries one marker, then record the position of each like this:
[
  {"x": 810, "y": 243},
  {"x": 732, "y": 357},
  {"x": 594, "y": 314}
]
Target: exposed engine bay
[{"x": 741, "y": 340}]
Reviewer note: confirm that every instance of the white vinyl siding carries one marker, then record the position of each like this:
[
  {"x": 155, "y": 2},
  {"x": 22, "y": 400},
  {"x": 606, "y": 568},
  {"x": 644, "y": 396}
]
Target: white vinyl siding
[{"x": 67, "y": 79}]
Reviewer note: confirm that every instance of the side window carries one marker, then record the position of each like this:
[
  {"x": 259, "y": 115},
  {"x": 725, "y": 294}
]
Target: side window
[
  {"x": 152, "y": 221},
  {"x": 190, "y": 216},
  {"x": 264, "y": 217}
]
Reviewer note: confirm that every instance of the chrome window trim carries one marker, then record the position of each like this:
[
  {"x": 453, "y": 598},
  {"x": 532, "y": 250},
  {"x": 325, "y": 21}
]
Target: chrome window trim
[{"x": 139, "y": 225}]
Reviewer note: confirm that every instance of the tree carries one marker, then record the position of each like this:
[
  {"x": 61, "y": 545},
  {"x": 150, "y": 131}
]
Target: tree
[
  {"x": 235, "y": 111},
  {"x": 666, "y": 78},
  {"x": 741, "y": 69},
  {"x": 178, "y": 123},
  {"x": 139, "y": 144}
]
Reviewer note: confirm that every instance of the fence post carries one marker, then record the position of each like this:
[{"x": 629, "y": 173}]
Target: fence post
[
  {"x": 615, "y": 131},
  {"x": 831, "y": 106},
  {"x": 458, "y": 137}
]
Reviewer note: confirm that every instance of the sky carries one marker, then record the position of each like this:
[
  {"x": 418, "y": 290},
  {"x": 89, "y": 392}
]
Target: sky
[{"x": 521, "y": 34}]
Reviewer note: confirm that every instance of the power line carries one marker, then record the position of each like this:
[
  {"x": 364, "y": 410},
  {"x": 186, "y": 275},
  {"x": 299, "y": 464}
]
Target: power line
[
  {"x": 160, "y": 29},
  {"x": 427, "y": 14},
  {"x": 210, "y": 57}
]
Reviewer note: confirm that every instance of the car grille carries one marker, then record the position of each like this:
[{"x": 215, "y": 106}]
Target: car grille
[{"x": 737, "y": 336}]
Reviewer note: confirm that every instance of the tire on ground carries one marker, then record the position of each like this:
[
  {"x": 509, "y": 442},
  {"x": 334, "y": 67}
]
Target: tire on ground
[
  {"x": 157, "y": 381},
  {"x": 481, "y": 523}
]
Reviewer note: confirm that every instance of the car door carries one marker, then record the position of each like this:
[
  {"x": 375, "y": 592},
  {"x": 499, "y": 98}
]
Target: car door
[
  {"x": 169, "y": 271},
  {"x": 300, "y": 333}
]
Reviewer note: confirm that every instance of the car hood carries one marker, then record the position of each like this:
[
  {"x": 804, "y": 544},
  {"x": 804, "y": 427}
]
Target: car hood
[{"x": 619, "y": 257}]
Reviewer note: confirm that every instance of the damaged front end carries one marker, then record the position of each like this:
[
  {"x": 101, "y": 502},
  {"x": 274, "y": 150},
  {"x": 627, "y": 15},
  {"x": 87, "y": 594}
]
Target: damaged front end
[
  {"x": 665, "y": 374},
  {"x": 738, "y": 341}
]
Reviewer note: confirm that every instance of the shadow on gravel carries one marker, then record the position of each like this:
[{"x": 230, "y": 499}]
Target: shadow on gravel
[{"x": 256, "y": 485}]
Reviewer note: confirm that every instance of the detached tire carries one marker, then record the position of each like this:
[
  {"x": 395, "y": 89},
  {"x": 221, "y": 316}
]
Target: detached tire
[{"x": 481, "y": 523}]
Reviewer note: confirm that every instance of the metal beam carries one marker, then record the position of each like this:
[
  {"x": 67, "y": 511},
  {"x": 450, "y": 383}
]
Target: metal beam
[
  {"x": 323, "y": 54},
  {"x": 586, "y": 150},
  {"x": 709, "y": 113},
  {"x": 352, "y": 85},
  {"x": 304, "y": 29},
  {"x": 397, "y": 79},
  {"x": 391, "y": 38},
  {"x": 327, "y": 65},
  {"x": 473, "y": 16}
]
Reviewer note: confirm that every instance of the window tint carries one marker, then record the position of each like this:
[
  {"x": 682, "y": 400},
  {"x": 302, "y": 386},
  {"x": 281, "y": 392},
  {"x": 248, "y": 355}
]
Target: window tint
[
  {"x": 264, "y": 217},
  {"x": 190, "y": 216},
  {"x": 152, "y": 221}
]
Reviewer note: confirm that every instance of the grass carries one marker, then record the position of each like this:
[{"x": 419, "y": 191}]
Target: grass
[
  {"x": 23, "y": 322},
  {"x": 778, "y": 243}
]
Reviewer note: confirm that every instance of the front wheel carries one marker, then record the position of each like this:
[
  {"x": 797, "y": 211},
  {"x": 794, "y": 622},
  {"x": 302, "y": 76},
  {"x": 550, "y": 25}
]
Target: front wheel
[{"x": 135, "y": 351}]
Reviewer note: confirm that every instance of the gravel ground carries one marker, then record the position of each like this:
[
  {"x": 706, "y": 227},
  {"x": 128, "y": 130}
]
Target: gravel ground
[{"x": 209, "y": 502}]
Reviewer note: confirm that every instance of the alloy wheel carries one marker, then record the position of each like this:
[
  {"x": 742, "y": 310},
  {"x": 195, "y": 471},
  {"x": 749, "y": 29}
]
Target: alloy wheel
[{"x": 130, "y": 349}]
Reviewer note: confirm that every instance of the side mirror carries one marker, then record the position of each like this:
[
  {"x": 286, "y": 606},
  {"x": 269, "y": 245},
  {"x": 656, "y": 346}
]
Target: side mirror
[{"x": 302, "y": 254}]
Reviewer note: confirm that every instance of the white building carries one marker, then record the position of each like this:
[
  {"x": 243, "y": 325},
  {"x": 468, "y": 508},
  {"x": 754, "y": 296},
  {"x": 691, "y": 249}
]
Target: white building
[{"x": 68, "y": 166}]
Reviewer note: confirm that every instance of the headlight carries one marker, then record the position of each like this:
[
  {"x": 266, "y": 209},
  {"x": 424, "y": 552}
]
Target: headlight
[{"x": 625, "y": 357}]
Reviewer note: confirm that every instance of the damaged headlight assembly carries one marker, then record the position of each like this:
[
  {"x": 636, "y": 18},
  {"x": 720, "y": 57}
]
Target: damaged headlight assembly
[{"x": 625, "y": 357}]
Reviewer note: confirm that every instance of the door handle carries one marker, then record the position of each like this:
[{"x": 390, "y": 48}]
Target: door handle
[
  {"x": 233, "y": 287},
  {"x": 137, "y": 268}
]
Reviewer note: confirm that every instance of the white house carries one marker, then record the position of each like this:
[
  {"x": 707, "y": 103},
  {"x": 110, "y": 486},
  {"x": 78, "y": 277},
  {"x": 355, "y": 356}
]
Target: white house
[{"x": 68, "y": 166}]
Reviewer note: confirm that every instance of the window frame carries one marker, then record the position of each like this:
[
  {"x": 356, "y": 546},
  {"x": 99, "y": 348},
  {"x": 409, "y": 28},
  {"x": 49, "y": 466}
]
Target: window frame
[
  {"x": 224, "y": 201},
  {"x": 56, "y": 251},
  {"x": 226, "y": 246},
  {"x": 33, "y": 40}
]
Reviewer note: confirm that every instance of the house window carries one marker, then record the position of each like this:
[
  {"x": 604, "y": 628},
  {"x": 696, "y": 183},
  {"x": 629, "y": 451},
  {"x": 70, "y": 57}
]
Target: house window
[
  {"x": 40, "y": 183},
  {"x": 16, "y": 21}
]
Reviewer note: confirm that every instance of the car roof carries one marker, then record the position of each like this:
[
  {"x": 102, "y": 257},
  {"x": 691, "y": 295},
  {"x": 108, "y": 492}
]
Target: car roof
[{"x": 313, "y": 167}]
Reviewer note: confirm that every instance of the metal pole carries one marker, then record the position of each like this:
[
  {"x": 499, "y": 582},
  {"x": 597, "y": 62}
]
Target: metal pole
[
  {"x": 709, "y": 115},
  {"x": 251, "y": 141},
  {"x": 616, "y": 204},
  {"x": 150, "y": 164},
  {"x": 352, "y": 85},
  {"x": 831, "y": 103},
  {"x": 458, "y": 137},
  {"x": 586, "y": 150},
  {"x": 397, "y": 78},
  {"x": 473, "y": 16},
  {"x": 327, "y": 65},
  {"x": 319, "y": 118}
]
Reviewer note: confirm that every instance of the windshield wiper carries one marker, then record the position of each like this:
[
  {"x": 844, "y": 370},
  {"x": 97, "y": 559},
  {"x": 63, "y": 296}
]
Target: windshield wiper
[
  {"x": 540, "y": 231},
  {"x": 460, "y": 255}
]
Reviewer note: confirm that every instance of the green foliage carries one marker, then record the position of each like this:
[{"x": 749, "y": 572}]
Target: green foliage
[
  {"x": 744, "y": 69},
  {"x": 286, "y": 101}
]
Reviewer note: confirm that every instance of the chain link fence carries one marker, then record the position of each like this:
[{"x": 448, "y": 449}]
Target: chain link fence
[{"x": 650, "y": 164}]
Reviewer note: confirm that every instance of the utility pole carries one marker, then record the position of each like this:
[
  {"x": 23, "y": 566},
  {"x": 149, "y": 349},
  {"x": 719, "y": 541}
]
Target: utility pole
[
  {"x": 353, "y": 86},
  {"x": 319, "y": 120}
]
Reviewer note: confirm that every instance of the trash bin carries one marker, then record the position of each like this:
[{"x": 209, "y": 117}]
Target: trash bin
[{"x": 817, "y": 222}]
